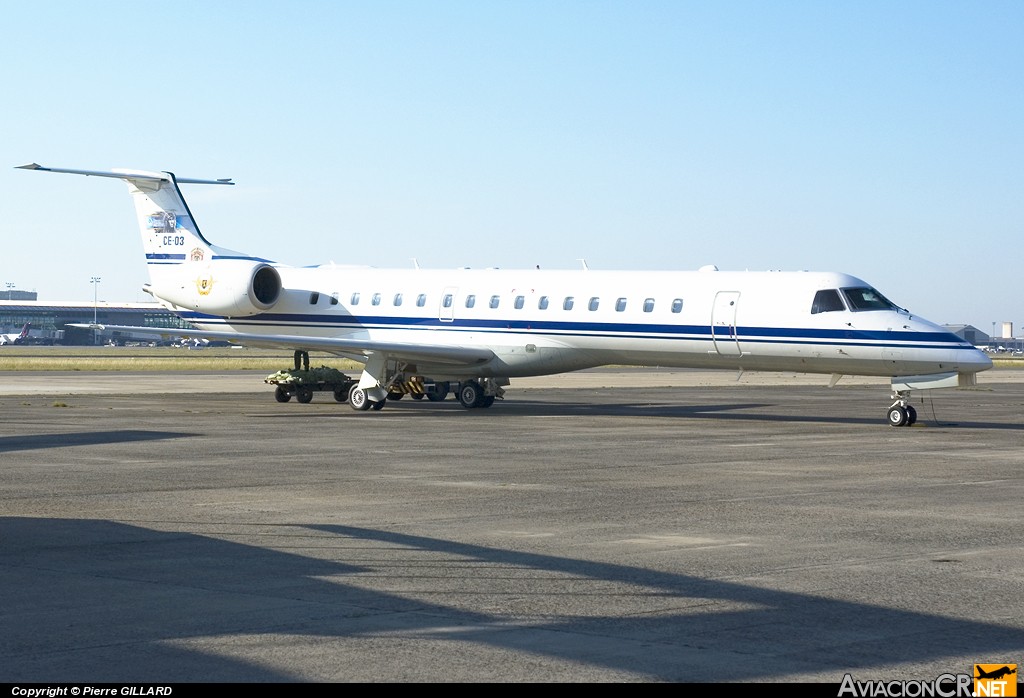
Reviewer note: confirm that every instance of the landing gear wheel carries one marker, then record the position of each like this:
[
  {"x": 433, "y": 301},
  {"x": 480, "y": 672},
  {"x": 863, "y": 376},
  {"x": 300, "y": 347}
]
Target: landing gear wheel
[
  {"x": 471, "y": 394},
  {"x": 304, "y": 395},
  {"x": 357, "y": 399},
  {"x": 282, "y": 395},
  {"x": 911, "y": 415},
  {"x": 377, "y": 406},
  {"x": 439, "y": 392},
  {"x": 487, "y": 401},
  {"x": 898, "y": 416}
]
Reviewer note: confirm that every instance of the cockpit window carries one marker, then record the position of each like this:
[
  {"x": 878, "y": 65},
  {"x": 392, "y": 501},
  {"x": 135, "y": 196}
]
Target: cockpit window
[
  {"x": 826, "y": 301},
  {"x": 867, "y": 299}
]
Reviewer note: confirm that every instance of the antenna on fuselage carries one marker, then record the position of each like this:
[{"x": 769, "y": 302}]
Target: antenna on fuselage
[
  {"x": 415, "y": 263},
  {"x": 584, "y": 263}
]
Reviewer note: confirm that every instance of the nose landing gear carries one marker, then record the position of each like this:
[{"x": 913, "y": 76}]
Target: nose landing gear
[{"x": 901, "y": 412}]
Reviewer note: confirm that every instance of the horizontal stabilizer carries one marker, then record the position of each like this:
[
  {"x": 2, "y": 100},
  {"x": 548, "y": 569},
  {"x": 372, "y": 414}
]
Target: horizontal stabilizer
[{"x": 124, "y": 174}]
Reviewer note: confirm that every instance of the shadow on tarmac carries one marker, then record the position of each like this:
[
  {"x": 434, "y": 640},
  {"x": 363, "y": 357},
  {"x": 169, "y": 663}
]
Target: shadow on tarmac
[
  {"x": 29, "y": 442},
  {"x": 754, "y": 412},
  {"x": 89, "y": 600}
]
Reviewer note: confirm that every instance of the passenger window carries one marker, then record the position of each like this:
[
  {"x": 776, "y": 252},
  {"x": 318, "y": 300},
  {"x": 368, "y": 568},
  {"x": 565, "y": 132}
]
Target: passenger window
[
  {"x": 520, "y": 301},
  {"x": 677, "y": 305},
  {"x": 355, "y": 298},
  {"x": 447, "y": 301},
  {"x": 620, "y": 304},
  {"x": 494, "y": 301},
  {"x": 826, "y": 301},
  {"x": 421, "y": 300},
  {"x": 648, "y": 305},
  {"x": 314, "y": 298},
  {"x": 542, "y": 304},
  {"x": 594, "y": 302},
  {"x": 398, "y": 299},
  {"x": 567, "y": 303},
  {"x": 470, "y": 301},
  {"x": 334, "y": 298},
  {"x": 375, "y": 300}
]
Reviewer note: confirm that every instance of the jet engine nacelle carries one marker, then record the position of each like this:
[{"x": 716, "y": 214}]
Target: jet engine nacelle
[{"x": 225, "y": 287}]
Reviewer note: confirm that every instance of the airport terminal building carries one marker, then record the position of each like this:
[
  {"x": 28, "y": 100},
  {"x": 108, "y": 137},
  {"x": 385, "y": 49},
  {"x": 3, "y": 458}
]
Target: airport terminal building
[{"x": 49, "y": 321}]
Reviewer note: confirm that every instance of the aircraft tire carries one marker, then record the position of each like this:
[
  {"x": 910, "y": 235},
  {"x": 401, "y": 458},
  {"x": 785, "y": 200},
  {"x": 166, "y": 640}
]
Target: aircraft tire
[
  {"x": 487, "y": 401},
  {"x": 911, "y": 415},
  {"x": 377, "y": 406},
  {"x": 898, "y": 416},
  {"x": 282, "y": 395},
  {"x": 471, "y": 394},
  {"x": 358, "y": 400},
  {"x": 439, "y": 392}
]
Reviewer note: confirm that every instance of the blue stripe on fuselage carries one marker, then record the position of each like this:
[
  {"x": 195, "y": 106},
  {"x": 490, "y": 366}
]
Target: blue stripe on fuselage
[
  {"x": 245, "y": 258},
  {"x": 752, "y": 335},
  {"x": 160, "y": 256}
]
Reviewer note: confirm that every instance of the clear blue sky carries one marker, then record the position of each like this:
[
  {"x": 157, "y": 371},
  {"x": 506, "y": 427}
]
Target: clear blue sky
[{"x": 883, "y": 139}]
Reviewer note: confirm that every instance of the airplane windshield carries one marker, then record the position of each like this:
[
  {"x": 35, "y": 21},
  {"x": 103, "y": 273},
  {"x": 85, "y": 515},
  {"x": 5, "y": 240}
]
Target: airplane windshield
[{"x": 867, "y": 299}]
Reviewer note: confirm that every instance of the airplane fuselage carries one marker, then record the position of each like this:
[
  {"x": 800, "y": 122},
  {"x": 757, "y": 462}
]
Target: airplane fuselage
[{"x": 541, "y": 322}]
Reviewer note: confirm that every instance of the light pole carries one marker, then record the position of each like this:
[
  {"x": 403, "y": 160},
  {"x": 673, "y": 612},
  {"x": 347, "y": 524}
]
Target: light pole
[{"x": 95, "y": 281}]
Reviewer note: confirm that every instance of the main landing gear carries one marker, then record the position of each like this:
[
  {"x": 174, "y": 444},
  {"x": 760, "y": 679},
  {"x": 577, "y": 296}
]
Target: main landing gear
[
  {"x": 472, "y": 395},
  {"x": 392, "y": 383},
  {"x": 901, "y": 413}
]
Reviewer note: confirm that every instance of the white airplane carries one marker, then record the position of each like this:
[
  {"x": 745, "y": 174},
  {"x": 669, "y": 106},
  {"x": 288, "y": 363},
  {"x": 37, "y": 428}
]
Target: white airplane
[
  {"x": 480, "y": 328},
  {"x": 16, "y": 337}
]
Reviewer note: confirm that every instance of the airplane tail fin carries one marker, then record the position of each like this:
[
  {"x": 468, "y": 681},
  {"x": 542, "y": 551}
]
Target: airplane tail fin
[
  {"x": 180, "y": 260},
  {"x": 24, "y": 330}
]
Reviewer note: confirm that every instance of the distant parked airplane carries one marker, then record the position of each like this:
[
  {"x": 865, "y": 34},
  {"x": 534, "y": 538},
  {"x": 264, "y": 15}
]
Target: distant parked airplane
[{"x": 15, "y": 337}]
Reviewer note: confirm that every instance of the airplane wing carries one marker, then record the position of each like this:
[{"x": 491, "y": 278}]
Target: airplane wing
[{"x": 431, "y": 353}]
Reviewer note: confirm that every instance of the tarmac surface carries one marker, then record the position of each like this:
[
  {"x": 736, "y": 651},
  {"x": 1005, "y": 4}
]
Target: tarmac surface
[{"x": 605, "y": 526}]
